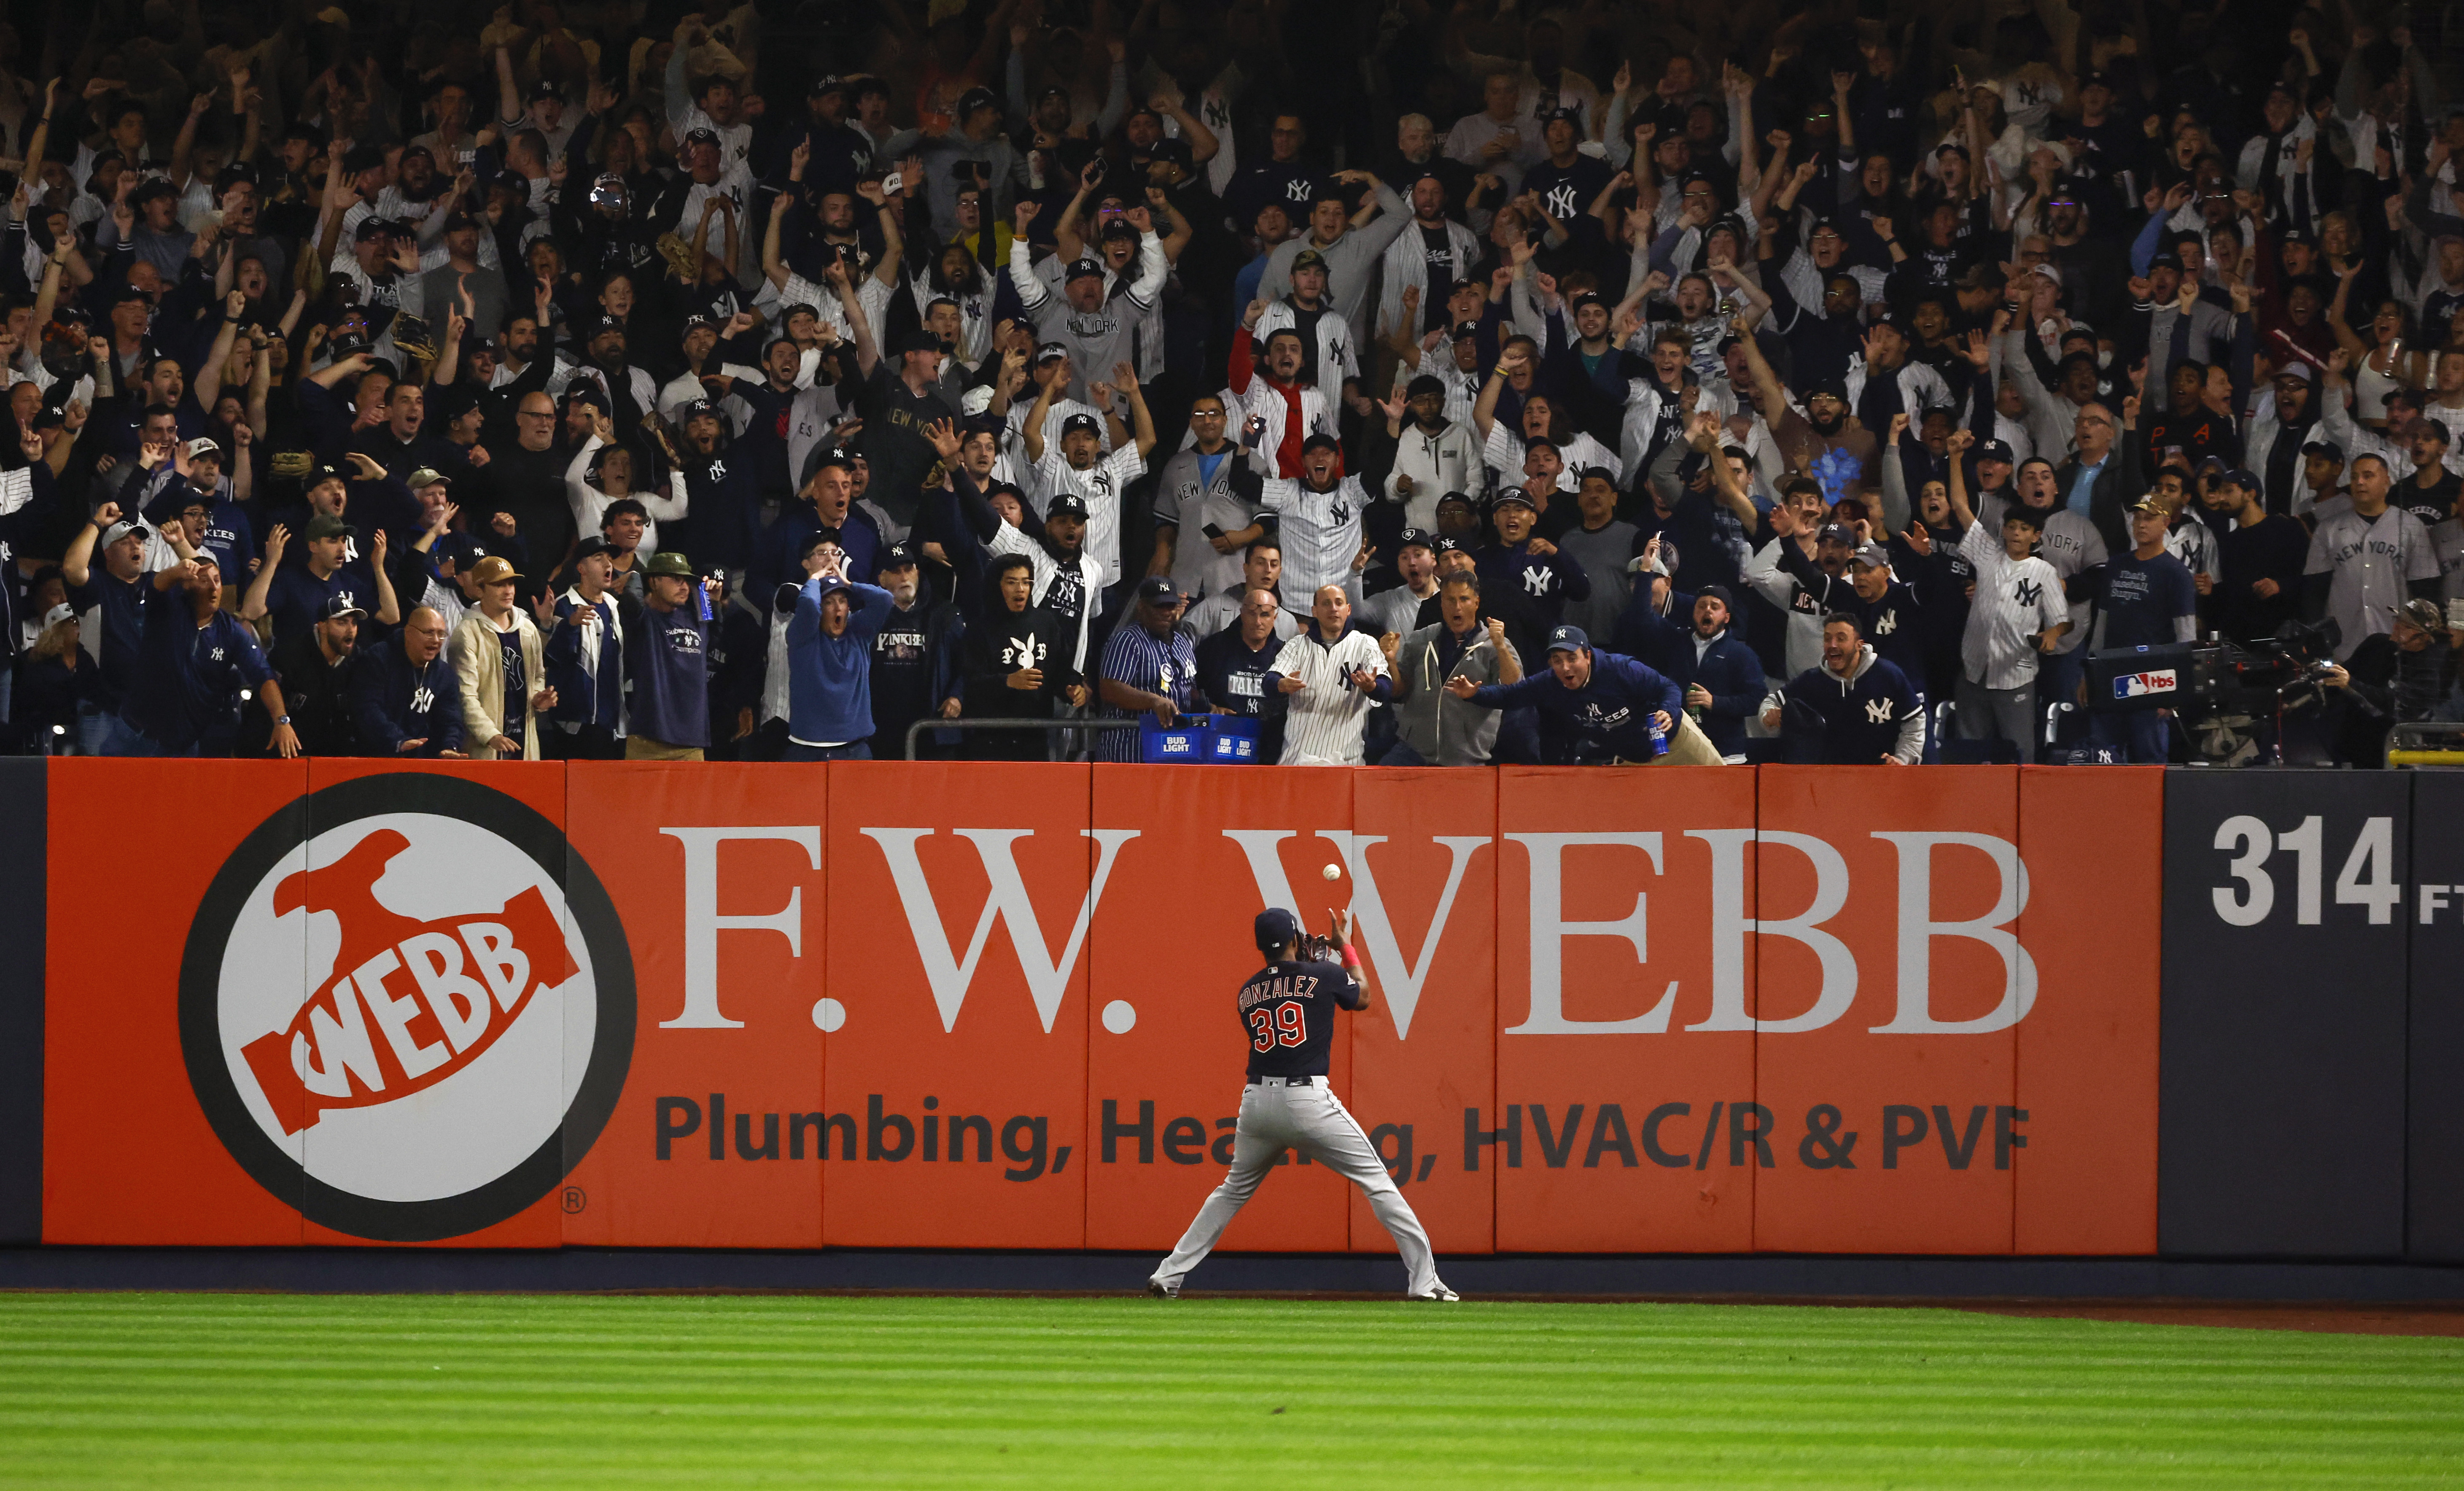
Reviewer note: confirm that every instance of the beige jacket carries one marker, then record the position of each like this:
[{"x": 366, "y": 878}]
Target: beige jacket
[{"x": 480, "y": 665}]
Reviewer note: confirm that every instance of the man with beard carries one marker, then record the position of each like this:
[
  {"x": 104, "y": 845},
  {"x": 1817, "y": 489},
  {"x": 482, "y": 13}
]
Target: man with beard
[
  {"x": 1427, "y": 258},
  {"x": 523, "y": 483},
  {"x": 1065, "y": 579},
  {"x": 2275, "y": 439},
  {"x": 1850, "y": 709},
  {"x": 914, "y": 656},
  {"x": 318, "y": 669},
  {"x": 2094, "y": 266},
  {"x": 726, "y": 504},
  {"x": 629, "y": 391},
  {"x": 1690, "y": 641}
]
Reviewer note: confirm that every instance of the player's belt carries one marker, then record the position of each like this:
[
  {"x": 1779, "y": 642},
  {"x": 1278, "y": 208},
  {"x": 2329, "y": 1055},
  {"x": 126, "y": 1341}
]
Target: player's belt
[{"x": 1283, "y": 1082}]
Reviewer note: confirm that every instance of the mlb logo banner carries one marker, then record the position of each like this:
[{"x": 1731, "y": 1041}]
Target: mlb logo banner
[{"x": 2136, "y": 686}]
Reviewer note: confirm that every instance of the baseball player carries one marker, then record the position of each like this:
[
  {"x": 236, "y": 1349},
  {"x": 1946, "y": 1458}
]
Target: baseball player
[{"x": 1288, "y": 1011}]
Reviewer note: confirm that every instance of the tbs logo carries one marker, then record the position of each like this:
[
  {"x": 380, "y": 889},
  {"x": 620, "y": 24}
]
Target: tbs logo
[
  {"x": 2131, "y": 685},
  {"x": 406, "y": 1007}
]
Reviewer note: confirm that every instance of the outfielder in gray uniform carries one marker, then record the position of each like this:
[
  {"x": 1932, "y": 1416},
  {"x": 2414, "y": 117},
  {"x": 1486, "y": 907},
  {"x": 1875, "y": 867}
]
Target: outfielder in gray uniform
[{"x": 1288, "y": 1011}]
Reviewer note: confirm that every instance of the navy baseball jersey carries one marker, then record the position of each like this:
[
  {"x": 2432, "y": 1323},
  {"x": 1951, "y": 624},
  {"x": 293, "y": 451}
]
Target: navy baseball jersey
[{"x": 1288, "y": 1012}]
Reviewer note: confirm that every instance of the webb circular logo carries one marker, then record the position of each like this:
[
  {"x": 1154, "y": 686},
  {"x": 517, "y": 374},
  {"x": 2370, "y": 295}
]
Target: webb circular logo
[{"x": 405, "y": 1008}]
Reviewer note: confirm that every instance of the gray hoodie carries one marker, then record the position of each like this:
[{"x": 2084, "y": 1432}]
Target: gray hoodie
[{"x": 1449, "y": 731}]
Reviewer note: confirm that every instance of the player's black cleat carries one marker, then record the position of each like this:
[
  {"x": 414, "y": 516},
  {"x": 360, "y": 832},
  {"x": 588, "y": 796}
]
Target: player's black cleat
[{"x": 1161, "y": 1290}]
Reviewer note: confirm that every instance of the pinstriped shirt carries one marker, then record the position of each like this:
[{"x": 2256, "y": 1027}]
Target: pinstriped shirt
[
  {"x": 2015, "y": 600},
  {"x": 1320, "y": 533}
]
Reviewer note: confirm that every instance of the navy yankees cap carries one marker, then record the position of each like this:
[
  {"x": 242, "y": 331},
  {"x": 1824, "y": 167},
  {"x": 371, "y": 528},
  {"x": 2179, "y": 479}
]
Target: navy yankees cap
[
  {"x": 1064, "y": 504},
  {"x": 1321, "y": 440},
  {"x": 1158, "y": 588},
  {"x": 1994, "y": 449},
  {"x": 1076, "y": 423},
  {"x": 2327, "y": 448},
  {"x": 1275, "y": 927},
  {"x": 1569, "y": 639}
]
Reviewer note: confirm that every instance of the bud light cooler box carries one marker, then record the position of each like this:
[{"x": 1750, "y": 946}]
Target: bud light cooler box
[
  {"x": 2139, "y": 678},
  {"x": 1216, "y": 740}
]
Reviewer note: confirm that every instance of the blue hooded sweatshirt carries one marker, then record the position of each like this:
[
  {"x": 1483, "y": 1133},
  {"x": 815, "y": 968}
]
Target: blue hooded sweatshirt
[{"x": 830, "y": 679}]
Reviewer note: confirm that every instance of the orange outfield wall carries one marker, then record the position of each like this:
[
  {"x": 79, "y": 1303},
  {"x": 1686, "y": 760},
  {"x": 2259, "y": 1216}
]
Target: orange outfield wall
[{"x": 989, "y": 1005}]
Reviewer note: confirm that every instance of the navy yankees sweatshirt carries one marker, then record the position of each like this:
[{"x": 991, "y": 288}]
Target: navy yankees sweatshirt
[{"x": 1614, "y": 708}]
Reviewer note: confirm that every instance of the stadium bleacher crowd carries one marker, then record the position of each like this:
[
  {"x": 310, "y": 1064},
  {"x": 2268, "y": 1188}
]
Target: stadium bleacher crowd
[{"x": 1414, "y": 383}]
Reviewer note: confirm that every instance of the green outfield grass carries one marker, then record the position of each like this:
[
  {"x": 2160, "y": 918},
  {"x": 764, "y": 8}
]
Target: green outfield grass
[{"x": 183, "y": 1390}]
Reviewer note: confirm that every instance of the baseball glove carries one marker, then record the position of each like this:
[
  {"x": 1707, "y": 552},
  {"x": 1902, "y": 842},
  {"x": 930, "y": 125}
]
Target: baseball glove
[{"x": 1315, "y": 949}]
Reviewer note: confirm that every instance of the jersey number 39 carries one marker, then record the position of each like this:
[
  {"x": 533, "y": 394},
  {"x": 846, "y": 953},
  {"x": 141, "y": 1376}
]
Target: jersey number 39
[{"x": 1288, "y": 1025}]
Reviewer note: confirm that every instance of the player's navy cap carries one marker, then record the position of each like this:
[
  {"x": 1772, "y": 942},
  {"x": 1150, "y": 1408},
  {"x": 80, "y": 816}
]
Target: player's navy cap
[
  {"x": 2327, "y": 448},
  {"x": 1421, "y": 538},
  {"x": 1569, "y": 639},
  {"x": 1995, "y": 450},
  {"x": 1065, "y": 504},
  {"x": 1275, "y": 927}
]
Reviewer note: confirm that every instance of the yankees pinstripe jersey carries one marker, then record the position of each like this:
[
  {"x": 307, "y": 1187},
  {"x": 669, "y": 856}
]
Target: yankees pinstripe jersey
[
  {"x": 2015, "y": 600},
  {"x": 1068, "y": 591},
  {"x": 1505, "y": 451},
  {"x": 1320, "y": 533},
  {"x": 1325, "y": 718},
  {"x": 1101, "y": 485},
  {"x": 2369, "y": 563}
]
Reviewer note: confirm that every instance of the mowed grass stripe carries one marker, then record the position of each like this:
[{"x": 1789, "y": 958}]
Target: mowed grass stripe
[{"x": 269, "y": 1391}]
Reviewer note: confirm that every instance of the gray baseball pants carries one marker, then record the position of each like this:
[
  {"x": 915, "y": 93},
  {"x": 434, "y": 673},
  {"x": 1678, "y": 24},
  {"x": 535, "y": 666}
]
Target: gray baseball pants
[{"x": 1313, "y": 1120}]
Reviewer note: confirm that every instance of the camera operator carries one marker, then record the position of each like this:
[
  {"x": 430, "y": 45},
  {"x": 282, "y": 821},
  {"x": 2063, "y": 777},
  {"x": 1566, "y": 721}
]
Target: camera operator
[{"x": 2393, "y": 678}]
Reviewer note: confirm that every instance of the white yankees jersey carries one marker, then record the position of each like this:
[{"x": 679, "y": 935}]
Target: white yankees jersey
[
  {"x": 2369, "y": 563},
  {"x": 974, "y": 300},
  {"x": 1336, "y": 357},
  {"x": 1505, "y": 451},
  {"x": 871, "y": 297},
  {"x": 1325, "y": 718},
  {"x": 1070, "y": 589},
  {"x": 736, "y": 184},
  {"x": 1101, "y": 485},
  {"x": 2194, "y": 543},
  {"x": 1056, "y": 414},
  {"x": 1320, "y": 532},
  {"x": 2016, "y": 599}
]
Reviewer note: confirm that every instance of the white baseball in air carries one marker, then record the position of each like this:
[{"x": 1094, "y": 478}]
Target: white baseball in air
[{"x": 1333, "y": 872}]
